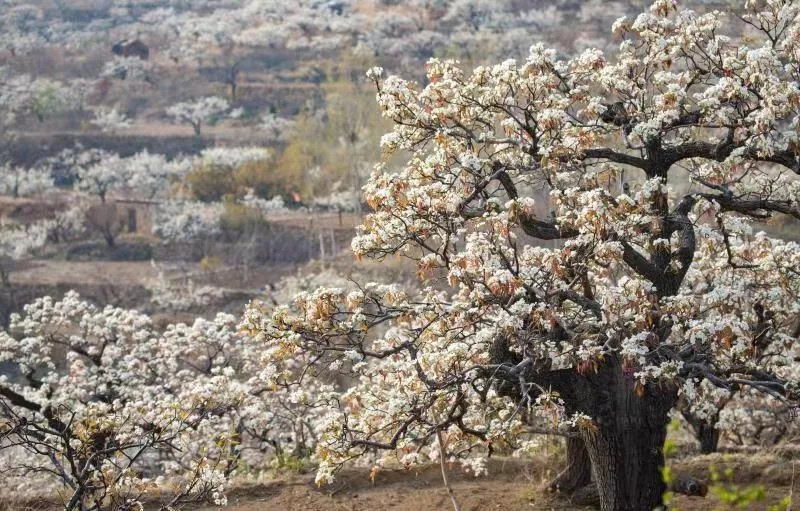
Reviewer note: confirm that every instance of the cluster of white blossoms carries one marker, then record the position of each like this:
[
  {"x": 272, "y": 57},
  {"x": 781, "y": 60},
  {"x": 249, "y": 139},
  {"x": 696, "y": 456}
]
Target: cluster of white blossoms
[
  {"x": 96, "y": 404},
  {"x": 41, "y": 98},
  {"x": 129, "y": 69},
  {"x": 151, "y": 177},
  {"x": 111, "y": 120},
  {"x": 199, "y": 112},
  {"x": 277, "y": 129},
  {"x": 180, "y": 218},
  {"x": 232, "y": 157},
  {"x": 69, "y": 223},
  {"x": 101, "y": 173},
  {"x": 17, "y": 241},
  {"x": 265, "y": 206},
  {"x": 187, "y": 220},
  {"x": 21, "y": 182}
]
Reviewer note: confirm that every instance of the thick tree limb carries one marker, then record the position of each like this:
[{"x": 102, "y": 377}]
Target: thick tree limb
[
  {"x": 771, "y": 384},
  {"x": 544, "y": 230},
  {"x": 680, "y": 222},
  {"x": 530, "y": 225},
  {"x": 721, "y": 151},
  {"x": 755, "y": 207},
  {"x": 617, "y": 157},
  {"x": 583, "y": 301},
  {"x": 19, "y": 400},
  {"x": 640, "y": 264}
]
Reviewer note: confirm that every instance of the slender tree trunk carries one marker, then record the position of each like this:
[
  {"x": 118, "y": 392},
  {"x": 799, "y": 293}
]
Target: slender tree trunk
[
  {"x": 708, "y": 436},
  {"x": 705, "y": 431},
  {"x": 110, "y": 238},
  {"x": 578, "y": 472}
]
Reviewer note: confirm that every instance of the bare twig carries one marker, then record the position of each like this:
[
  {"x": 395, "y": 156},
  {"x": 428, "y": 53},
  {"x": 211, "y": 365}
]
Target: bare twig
[{"x": 442, "y": 453}]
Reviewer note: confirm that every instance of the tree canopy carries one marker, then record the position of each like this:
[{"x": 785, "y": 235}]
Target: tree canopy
[{"x": 585, "y": 239}]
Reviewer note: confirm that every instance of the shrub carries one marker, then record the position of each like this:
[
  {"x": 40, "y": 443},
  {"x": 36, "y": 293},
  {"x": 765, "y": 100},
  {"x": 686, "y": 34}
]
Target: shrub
[
  {"x": 267, "y": 179},
  {"x": 210, "y": 183},
  {"x": 239, "y": 221}
]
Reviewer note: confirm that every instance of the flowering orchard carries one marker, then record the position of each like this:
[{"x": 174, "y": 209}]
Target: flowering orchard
[
  {"x": 106, "y": 412},
  {"x": 567, "y": 273},
  {"x": 561, "y": 270}
]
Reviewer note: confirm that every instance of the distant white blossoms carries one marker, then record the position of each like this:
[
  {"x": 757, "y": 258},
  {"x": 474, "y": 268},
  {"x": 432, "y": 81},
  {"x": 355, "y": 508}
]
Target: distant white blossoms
[
  {"x": 199, "y": 112},
  {"x": 188, "y": 220},
  {"x": 111, "y": 121}
]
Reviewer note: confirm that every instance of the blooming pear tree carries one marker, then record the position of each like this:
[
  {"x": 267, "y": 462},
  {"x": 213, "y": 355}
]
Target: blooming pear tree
[
  {"x": 199, "y": 112},
  {"x": 750, "y": 419},
  {"x": 22, "y": 95},
  {"x": 97, "y": 172},
  {"x": 548, "y": 282},
  {"x": 104, "y": 411},
  {"x": 187, "y": 220},
  {"x": 148, "y": 175},
  {"x": 100, "y": 173},
  {"x": 110, "y": 121},
  {"x": 16, "y": 243},
  {"x": 14, "y": 91},
  {"x": 182, "y": 219},
  {"x": 708, "y": 406},
  {"x": 71, "y": 421},
  {"x": 20, "y": 25},
  {"x": 133, "y": 69},
  {"x": 21, "y": 182},
  {"x": 69, "y": 222},
  {"x": 275, "y": 128}
]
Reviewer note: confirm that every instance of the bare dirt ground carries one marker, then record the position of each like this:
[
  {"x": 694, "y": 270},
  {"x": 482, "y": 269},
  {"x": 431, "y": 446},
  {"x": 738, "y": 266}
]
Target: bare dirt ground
[
  {"x": 513, "y": 484},
  {"x": 127, "y": 273},
  {"x": 47, "y": 271}
]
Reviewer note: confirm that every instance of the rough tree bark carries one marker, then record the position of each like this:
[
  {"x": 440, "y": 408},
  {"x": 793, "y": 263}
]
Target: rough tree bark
[{"x": 625, "y": 443}]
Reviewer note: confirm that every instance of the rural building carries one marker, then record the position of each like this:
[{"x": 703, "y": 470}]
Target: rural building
[
  {"x": 134, "y": 215},
  {"x": 131, "y": 48}
]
